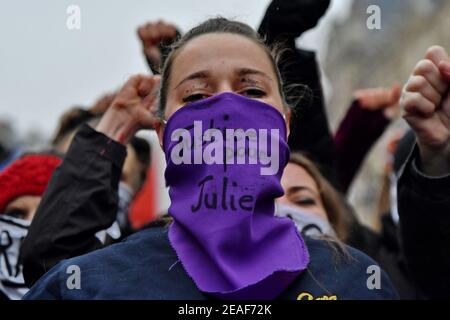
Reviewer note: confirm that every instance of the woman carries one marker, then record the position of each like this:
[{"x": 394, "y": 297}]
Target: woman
[
  {"x": 320, "y": 212},
  {"x": 311, "y": 202},
  {"x": 38, "y": 253},
  {"x": 223, "y": 127},
  {"x": 22, "y": 185}
]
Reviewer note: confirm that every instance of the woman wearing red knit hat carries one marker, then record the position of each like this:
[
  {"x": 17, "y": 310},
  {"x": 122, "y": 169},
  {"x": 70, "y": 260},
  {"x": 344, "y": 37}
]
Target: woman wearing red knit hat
[{"x": 21, "y": 187}]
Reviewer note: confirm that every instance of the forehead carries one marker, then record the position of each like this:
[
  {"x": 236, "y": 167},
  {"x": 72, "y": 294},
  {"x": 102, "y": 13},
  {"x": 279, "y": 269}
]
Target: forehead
[
  {"x": 24, "y": 201},
  {"x": 220, "y": 52},
  {"x": 295, "y": 175}
]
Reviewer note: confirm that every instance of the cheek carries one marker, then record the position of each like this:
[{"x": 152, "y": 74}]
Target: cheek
[
  {"x": 275, "y": 101},
  {"x": 30, "y": 215},
  {"x": 32, "y": 211},
  {"x": 172, "y": 105},
  {"x": 319, "y": 210}
]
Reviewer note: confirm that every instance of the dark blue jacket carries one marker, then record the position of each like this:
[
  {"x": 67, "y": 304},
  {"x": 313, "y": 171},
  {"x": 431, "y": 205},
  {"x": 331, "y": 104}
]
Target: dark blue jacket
[{"x": 144, "y": 266}]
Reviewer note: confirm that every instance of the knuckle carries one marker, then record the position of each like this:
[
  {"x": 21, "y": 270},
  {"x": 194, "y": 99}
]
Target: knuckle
[
  {"x": 407, "y": 101},
  {"x": 415, "y": 99},
  {"x": 416, "y": 83},
  {"x": 424, "y": 67},
  {"x": 419, "y": 82}
]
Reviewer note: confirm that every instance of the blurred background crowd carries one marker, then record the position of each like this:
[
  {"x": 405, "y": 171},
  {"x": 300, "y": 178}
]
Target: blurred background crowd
[{"x": 52, "y": 80}]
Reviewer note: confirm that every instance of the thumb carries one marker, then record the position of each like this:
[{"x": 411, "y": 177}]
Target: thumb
[
  {"x": 151, "y": 98},
  {"x": 396, "y": 92},
  {"x": 146, "y": 119}
]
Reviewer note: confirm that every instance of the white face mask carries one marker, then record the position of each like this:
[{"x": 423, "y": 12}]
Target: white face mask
[
  {"x": 393, "y": 192},
  {"x": 12, "y": 233},
  {"x": 125, "y": 198},
  {"x": 307, "y": 224}
]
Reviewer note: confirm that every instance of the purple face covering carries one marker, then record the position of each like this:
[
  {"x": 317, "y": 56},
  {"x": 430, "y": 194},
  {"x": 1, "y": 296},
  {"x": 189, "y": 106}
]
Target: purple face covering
[{"x": 223, "y": 183}]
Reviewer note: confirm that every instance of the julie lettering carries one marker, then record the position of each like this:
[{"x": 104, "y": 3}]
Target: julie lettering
[{"x": 225, "y": 199}]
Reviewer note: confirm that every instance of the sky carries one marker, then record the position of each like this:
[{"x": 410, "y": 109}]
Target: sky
[{"x": 45, "y": 68}]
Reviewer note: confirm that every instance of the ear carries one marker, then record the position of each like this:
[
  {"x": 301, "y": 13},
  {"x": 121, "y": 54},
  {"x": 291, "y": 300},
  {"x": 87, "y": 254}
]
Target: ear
[
  {"x": 159, "y": 128},
  {"x": 287, "y": 119}
]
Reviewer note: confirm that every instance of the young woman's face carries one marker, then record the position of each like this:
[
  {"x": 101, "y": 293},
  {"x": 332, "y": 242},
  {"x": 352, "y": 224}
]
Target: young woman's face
[
  {"x": 301, "y": 191},
  {"x": 215, "y": 63}
]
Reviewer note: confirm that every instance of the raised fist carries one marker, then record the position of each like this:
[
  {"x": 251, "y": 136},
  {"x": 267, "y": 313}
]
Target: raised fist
[
  {"x": 132, "y": 109},
  {"x": 426, "y": 108},
  {"x": 153, "y": 37}
]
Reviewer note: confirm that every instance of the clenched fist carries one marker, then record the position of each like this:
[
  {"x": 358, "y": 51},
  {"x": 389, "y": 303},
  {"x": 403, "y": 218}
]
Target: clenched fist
[
  {"x": 153, "y": 37},
  {"x": 426, "y": 108},
  {"x": 386, "y": 99},
  {"x": 132, "y": 109}
]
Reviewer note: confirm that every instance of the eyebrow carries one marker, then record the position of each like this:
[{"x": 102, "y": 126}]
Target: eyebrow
[
  {"x": 300, "y": 188},
  {"x": 204, "y": 74},
  {"x": 196, "y": 75},
  {"x": 248, "y": 71}
]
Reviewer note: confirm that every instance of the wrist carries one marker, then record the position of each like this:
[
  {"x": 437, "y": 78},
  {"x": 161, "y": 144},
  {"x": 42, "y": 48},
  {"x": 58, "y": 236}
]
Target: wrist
[
  {"x": 113, "y": 126},
  {"x": 435, "y": 161}
]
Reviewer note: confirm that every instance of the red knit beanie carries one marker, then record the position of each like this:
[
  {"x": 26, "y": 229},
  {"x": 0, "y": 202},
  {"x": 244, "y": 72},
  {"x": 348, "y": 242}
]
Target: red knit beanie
[{"x": 28, "y": 175}]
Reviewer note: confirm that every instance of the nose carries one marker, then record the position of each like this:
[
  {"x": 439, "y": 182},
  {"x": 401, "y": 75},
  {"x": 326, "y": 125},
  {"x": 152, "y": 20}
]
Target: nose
[
  {"x": 225, "y": 86},
  {"x": 282, "y": 200}
]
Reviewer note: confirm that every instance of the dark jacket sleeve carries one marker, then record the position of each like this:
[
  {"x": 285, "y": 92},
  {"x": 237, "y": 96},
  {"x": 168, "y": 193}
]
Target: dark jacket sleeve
[
  {"x": 424, "y": 210},
  {"x": 81, "y": 199},
  {"x": 356, "y": 134},
  {"x": 310, "y": 131},
  {"x": 282, "y": 23}
]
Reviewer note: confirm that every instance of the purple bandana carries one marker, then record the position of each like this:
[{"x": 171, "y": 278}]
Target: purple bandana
[{"x": 225, "y": 157}]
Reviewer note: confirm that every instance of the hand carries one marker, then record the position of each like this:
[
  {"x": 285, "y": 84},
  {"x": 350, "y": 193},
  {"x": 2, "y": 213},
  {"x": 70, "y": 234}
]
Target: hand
[
  {"x": 386, "y": 99},
  {"x": 426, "y": 108},
  {"x": 152, "y": 36},
  {"x": 132, "y": 109},
  {"x": 102, "y": 104}
]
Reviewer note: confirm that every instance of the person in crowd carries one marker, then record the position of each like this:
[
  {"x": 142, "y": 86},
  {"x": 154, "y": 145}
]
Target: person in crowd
[
  {"x": 311, "y": 202},
  {"x": 138, "y": 158},
  {"x": 319, "y": 211},
  {"x": 38, "y": 253},
  {"x": 22, "y": 183},
  {"x": 224, "y": 241},
  {"x": 424, "y": 179}
]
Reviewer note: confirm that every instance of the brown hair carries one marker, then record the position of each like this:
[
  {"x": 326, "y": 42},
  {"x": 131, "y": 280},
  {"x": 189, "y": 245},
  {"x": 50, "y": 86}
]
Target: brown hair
[
  {"x": 215, "y": 25},
  {"x": 334, "y": 206}
]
